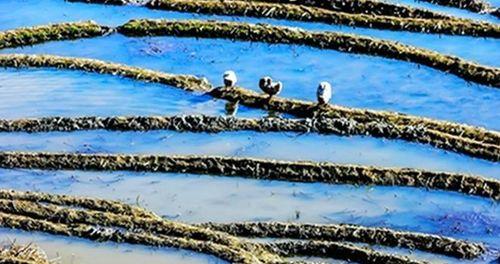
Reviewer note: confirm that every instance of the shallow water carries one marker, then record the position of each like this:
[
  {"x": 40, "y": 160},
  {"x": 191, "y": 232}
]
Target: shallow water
[
  {"x": 72, "y": 251},
  {"x": 284, "y": 146},
  {"x": 220, "y": 199},
  {"x": 50, "y": 92},
  {"x": 36, "y": 12},
  {"x": 451, "y": 10},
  {"x": 359, "y": 81}
]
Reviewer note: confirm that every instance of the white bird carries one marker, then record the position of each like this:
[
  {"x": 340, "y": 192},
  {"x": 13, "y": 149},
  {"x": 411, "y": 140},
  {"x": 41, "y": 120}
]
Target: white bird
[
  {"x": 229, "y": 78},
  {"x": 324, "y": 93}
]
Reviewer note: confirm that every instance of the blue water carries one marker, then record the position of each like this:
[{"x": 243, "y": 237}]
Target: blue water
[
  {"x": 285, "y": 146},
  {"x": 40, "y": 12},
  {"x": 50, "y": 92},
  {"x": 222, "y": 199},
  {"x": 451, "y": 10},
  {"x": 359, "y": 81}
]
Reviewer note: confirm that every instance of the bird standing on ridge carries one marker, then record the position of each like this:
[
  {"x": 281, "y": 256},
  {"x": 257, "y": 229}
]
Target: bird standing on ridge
[
  {"x": 265, "y": 84},
  {"x": 276, "y": 88},
  {"x": 324, "y": 93},
  {"x": 269, "y": 87},
  {"x": 229, "y": 79}
]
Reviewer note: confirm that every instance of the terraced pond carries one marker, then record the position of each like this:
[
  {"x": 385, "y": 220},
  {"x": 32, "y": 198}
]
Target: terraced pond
[{"x": 226, "y": 193}]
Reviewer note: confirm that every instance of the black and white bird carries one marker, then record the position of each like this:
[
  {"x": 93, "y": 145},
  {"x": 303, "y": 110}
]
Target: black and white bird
[
  {"x": 269, "y": 87},
  {"x": 229, "y": 79},
  {"x": 276, "y": 88},
  {"x": 324, "y": 93},
  {"x": 265, "y": 84}
]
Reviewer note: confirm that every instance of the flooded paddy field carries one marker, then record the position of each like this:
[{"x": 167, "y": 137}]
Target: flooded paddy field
[{"x": 182, "y": 200}]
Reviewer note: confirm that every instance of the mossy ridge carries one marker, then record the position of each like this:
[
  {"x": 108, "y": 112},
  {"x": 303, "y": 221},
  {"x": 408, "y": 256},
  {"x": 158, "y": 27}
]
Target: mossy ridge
[
  {"x": 186, "y": 82},
  {"x": 265, "y": 33},
  {"x": 109, "y": 212},
  {"x": 312, "y": 14},
  {"x": 100, "y": 234},
  {"x": 63, "y": 31},
  {"x": 104, "y": 226},
  {"x": 369, "y": 7},
  {"x": 469, "y": 140},
  {"x": 303, "y": 109},
  {"x": 22, "y": 254},
  {"x": 357, "y": 7},
  {"x": 214, "y": 124},
  {"x": 87, "y": 203},
  {"x": 353, "y": 233},
  {"x": 324, "y": 40},
  {"x": 477, "y": 6},
  {"x": 298, "y": 171},
  {"x": 346, "y": 251},
  {"x": 235, "y": 248}
]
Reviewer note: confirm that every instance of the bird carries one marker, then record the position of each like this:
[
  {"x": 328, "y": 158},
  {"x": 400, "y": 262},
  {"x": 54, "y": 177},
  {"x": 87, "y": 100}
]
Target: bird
[
  {"x": 269, "y": 87},
  {"x": 276, "y": 88},
  {"x": 230, "y": 79},
  {"x": 324, "y": 93},
  {"x": 265, "y": 83}
]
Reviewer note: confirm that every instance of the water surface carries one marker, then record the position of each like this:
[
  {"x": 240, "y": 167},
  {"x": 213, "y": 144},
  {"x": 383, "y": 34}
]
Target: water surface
[{"x": 358, "y": 80}]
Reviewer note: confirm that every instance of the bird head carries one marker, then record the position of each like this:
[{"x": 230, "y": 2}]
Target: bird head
[
  {"x": 324, "y": 86},
  {"x": 265, "y": 82},
  {"x": 229, "y": 78}
]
